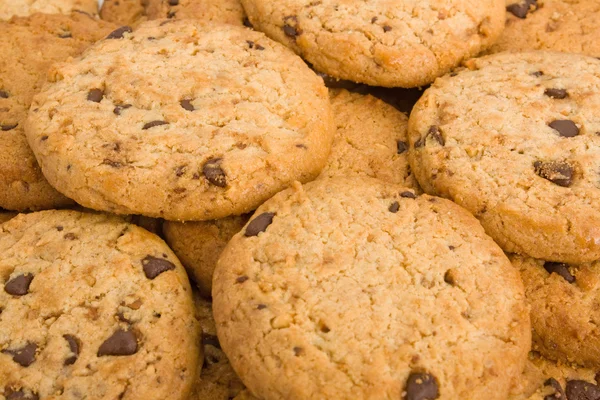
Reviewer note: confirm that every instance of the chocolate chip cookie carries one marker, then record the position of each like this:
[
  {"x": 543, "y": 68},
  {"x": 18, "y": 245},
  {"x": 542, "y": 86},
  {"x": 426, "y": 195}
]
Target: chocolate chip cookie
[
  {"x": 93, "y": 307},
  {"x": 23, "y": 8},
  {"x": 28, "y": 46},
  {"x": 569, "y": 26},
  {"x": 515, "y": 139},
  {"x": 181, "y": 120},
  {"x": 393, "y": 43},
  {"x": 354, "y": 288}
]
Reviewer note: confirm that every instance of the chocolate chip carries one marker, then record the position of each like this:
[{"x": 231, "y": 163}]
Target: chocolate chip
[
  {"x": 154, "y": 266},
  {"x": 241, "y": 279},
  {"x": 8, "y": 127},
  {"x": 259, "y": 47},
  {"x": 373, "y": 20},
  {"x": 557, "y": 172},
  {"x": 261, "y": 307},
  {"x": 559, "y": 393},
  {"x": 290, "y": 26},
  {"x": 3, "y": 94},
  {"x": 214, "y": 173},
  {"x": 408, "y": 195},
  {"x": 25, "y": 356},
  {"x": 173, "y": 2},
  {"x": 556, "y": 93},
  {"x": 259, "y": 224},
  {"x": 70, "y": 236},
  {"x": 520, "y": 10},
  {"x": 298, "y": 351},
  {"x": 59, "y": 228},
  {"x": 114, "y": 164},
  {"x": 387, "y": 28},
  {"x": 210, "y": 340},
  {"x": 119, "y": 32},
  {"x": 186, "y": 104},
  {"x": 434, "y": 133},
  {"x": 582, "y": 390},
  {"x": 560, "y": 269},
  {"x": 537, "y": 73},
  {"x": 152, "y": 124},
  {"x": 74, "y": 345},
  {"x": 121, "y": 343},
  {"x": 421, "y": 386},
  {"x": 95, "y": 95},
  {"x": 449, "y": 277},
  {"x": 20, "y": 394},
  {"x": 19, "y": 285},
  {"x": 301, "y": 146},
  {"x": 247, "y": 23},
  {"x": 565, "y": 127},
  {"x": 44, "y": 138},
  {"x": 394, "y": 207},
  {"x": 250, "y": 43},
  {"x": 402, "y": 146},
  {"x": 120, "y": 108}
]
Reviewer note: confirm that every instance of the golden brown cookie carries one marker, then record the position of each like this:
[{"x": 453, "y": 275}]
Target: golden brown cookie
[{"x": 24, "y": 8}]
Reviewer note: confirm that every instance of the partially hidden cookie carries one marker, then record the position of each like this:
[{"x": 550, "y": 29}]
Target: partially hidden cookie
[
  {"x": 217, "y": 120},
  {"x": 564, "y": 309},
  {"x": 370, "y": 140},
  {"x": 354, "y": 288},
  {"x": 93, "y": 307},
  {"x": 199, "y": 244},
  {"x": 392, "y": 43},
  {"x": 23, "y": 8},
  {"x": 28, "y": 46},
  {"x": 559, "y": 25},
  {"x": 132, "y": 12},
  {"x": 515, "y": 139}
]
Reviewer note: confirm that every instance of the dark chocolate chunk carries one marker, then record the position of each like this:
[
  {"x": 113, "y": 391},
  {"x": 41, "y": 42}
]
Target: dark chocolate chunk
[
  {"x": 121, "y": 343},
  {"x": 298, "y": 351},
  {"x": 25, "y": 356},
  {"x": 290, "y": 26},
  {"x": 173, "y": 2},
  {"x": 434, "y": 133},
  {"x": 152, "y": 124},
  {"x": 521, "y": 9},
  {"x": 214, "y": 173},
  {"x": 449, "y": 277},
  {"x": 259, "y": 224},
  {"x": 120, "y": 108},
  {"x": 557, "y": 172},
  {"x": 556, "y": 93},
  {"x": 241, "y": 279},
  {"x": 261, "y": 306},
  {"x": 154, "y": 266},
  {"x": 394, "y": 207},
  {"x": 387, "y": 28},
  {"x": 582, "y": 390},
  {"x": 119, "y": 32},
  {"x": 560, "y": 269},
  {"x": 421, "y": 386},
  {"x": 3, "y": 94},
  {"x": 402, "y": 146},
  {"x": 565, "y": 127},
  {"x": 8, "y": 127},
  {"x": 408, "y": 195},
  {"x": 559, "y": 393},
  {"x": 20, "y": 394},
  {"x": 186, "y": 104},
  {"x": 210, "y": 340},
  {"x": 95, "y": 95},
  {"x": 74, "y": 345},
  {"x": 537, "y": 73},
  {"x": 19, "y": 285}
]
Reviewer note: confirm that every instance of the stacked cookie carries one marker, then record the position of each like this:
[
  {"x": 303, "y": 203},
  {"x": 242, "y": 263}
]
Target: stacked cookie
[{"x": 339, "y": 248}]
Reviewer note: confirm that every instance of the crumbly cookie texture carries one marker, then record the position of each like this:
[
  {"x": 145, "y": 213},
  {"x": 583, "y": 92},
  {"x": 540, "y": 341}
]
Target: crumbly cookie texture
[
  {"x": 515, "y": 139},
  {"x": 405, "y": 43},
  {"x": 199, "y": 245},
  {"x": 93, "y": 306},
  {"x": 564, "y": 312},
  {"x": 543, "y": 379},
  {"x": 132, "y": 12},
  {"x": 370, "y": 140},
  {"x": 354, "y": 288},
  {"x": 559, "y": 25},
  {"x": 23, "y": 8},
  {"x": 28, "y": 46},
  {"x": 182, "y": 120}
]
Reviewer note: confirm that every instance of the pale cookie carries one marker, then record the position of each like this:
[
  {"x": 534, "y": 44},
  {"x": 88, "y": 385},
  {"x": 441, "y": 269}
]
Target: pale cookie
[
  {"x": 515, "y": 139},
  {"x": 93, "y": 307},
  {"x": 550, "y": 380},
  {"x": 370, "y": 140},
  {"x": 132, "y": 12},
  {"x": 358, "y": 289},
  {"x": 564, "y": 309},
  {"x": 569, "y": 26},
  {"x": 390, "y": 43},
  {"x": 28, "y": 46},
  {"x": 23, "y": 8},
  {"x": 199, "y": 245},
  {"x": 181, "y": 120}
]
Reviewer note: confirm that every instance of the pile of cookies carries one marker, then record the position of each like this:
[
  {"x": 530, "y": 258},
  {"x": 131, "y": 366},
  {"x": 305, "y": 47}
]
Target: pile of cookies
[{"x": 299, "y": 199}]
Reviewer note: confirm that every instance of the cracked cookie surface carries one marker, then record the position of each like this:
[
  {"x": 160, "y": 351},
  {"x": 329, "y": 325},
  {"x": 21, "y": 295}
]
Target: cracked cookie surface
[
  {"x": 245, "y": 118},
  {"x": 515, "y": 139},
  {"x": 559, "y": 25},
  {"x": 354, "y": 288},
  {"x": 23, "y": 8},
  {"x": 28, "y": 46},
  {"x": 92, "y": 306},
  {"x": 405, "y": 43}
]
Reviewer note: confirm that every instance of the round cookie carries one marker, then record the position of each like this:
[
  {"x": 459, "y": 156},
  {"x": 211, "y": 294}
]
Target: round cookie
[
  {"x": 370, "y": 140},
  {"x": 132, "y": 12},
  {"x": 564, "y": 311},
  {"x": 199, "y": 244},
  {"x": 354, "y": 288},
  {"x": 567, "y": 26},
  {"x": 217, "y": 120},
  {"x": 515, "y": 139},
  {"x": 23, "y": 8},
  {"x": 28, "y": 46},
  {"x": 405, "y": 43},
  {"x": 93, "y": 306}
]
